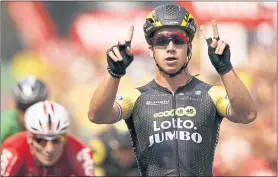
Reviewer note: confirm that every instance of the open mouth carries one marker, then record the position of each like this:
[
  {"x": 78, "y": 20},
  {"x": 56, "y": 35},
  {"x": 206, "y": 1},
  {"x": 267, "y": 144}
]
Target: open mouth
[{"x": 171, "y": 59}]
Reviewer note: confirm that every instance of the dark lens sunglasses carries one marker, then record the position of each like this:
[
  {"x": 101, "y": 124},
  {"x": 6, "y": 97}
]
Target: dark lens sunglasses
[
  {"x": 162, "y": 39},
  {"x": 43, "y": 141}
]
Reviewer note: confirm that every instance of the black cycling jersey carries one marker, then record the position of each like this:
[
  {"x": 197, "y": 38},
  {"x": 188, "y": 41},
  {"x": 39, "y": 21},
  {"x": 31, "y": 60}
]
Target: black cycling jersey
[{"x": 174, "y": 134}]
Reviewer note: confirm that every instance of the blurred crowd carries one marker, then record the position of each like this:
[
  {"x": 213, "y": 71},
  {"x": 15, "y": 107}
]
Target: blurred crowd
[{"x": 72, "y": 76}]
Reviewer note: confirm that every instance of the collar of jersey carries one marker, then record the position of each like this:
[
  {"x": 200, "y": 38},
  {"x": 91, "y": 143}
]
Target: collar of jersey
[{"x": 187, "y": 85}]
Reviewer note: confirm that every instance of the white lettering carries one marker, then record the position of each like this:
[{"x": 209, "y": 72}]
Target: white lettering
[
  {"x": 155, "y": 126},
  {"x": 157, "y": 137},
  {"x": 157, "y": 102},
  {"x": 85, "y": 156},
  {"x": 6, "y": 157},
  {"x": 170, "y": 135},
  {"x": 179, "y": 123},
  {"x": 163, "y": 126},
  {"x": 184, "y": 135},
  {"x": 196, "y": 137},
  {"x": 175, "y": 123},
  {"x": 191, "y": 125},
  {"x": 151, "y": 140}
]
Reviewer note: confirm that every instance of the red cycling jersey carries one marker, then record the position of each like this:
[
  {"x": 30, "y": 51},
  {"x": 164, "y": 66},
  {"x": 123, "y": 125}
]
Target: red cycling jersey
[{"x": 16, "y": 159}]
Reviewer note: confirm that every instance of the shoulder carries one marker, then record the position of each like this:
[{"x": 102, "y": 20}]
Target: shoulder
[
  {"x": 213, "y": 90},
  {"x": 9, "y": 114},
  {"x": 216, "y": 91},
  {"x": 128, "y": 97},
  {"x": 81, "y": 157},
  {"x": 72, "y": 140},
  {"x": 9, "y": 125},
  {"x": 147, "y": 87},
  {"x": 75, "y": 145},
  {"x": 13, "y": 153},
  {"x": 201, "y": 85},
  {"x": 16, "y": 141},
  {"x": 135, "y": 92}
]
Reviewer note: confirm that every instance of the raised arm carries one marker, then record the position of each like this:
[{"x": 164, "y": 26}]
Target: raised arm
[
  {"x": 102, "y": 109},
  {"x": 242, "y": 107}
]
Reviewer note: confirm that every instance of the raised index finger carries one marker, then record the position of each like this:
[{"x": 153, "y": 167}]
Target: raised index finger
[
  {"x": 204, "y": 32},
  {"x": 215, "y": 30},
  {"x": 206, "y": 35},
  {"x": 130, "y": 34}
]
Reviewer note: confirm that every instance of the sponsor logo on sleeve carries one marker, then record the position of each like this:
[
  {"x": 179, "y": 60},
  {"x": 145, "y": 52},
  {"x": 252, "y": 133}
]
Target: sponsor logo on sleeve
[{"x": 119, "y": 97}]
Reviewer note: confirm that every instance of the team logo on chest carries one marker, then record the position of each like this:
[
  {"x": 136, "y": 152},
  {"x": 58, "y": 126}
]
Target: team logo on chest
[{"x": 175, "y": 127}]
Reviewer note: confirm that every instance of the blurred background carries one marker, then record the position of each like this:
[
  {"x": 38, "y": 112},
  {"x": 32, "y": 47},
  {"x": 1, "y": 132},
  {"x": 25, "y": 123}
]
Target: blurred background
[{"x": 64, "y": 44}]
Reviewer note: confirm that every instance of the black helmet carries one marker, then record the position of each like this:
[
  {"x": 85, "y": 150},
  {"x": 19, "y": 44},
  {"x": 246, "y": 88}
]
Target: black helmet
[
  {"x": 29, "y": 91},
  {"x": 167, "y": 16}
]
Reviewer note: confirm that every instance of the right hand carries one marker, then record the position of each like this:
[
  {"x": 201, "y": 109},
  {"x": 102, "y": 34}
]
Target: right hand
[{"x": 120, "y": 56}]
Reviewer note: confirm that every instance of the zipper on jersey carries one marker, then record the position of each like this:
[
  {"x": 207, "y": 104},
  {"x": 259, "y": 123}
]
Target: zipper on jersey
[{"x": 174, "y": 106}]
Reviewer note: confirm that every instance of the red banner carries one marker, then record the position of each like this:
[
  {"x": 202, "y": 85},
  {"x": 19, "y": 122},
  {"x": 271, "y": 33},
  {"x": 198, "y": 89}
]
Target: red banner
[
  {"x": 249, "y": 14},
  {"x": 32, "y": 22},
  {"x": 96, "y": 31}
]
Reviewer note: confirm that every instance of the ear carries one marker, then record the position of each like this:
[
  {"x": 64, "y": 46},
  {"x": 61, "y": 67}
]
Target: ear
[{"x": 151, "y": 51}]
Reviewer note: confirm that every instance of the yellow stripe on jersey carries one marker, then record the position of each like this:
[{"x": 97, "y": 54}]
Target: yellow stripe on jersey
[
  {"x": 126, "y": 102},
  {"x": 220, "y": 99}
]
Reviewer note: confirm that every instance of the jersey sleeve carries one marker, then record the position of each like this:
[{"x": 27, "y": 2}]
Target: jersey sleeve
[
  {"x": 220, "y": 100},
  {"x": 8, "y": 124},
  {"x": 82, "y": 158},
  {"x": 125, "y": 102},
  {"x": 11, "y": 161}
]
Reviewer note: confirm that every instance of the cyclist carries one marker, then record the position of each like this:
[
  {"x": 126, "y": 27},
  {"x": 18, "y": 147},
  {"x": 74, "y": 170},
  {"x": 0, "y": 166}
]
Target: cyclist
[
  {"x": 113, "y": 153},
  {"x": 174, "y": 120},
  {"x": 26, "y": 92},
  {"x": 45, "y": 148}
]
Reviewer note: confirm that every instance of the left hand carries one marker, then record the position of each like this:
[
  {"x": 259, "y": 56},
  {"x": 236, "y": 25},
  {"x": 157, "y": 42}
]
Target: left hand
[{"x": 218, "y": 51}]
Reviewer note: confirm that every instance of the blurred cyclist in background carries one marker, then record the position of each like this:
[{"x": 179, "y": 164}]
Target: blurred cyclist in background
[
  {"x": 113, "y": 153},
  {"x": 46, "y": 148},
  {"x": 174, "y": 120},
  {"x": 26, "y": 92}
]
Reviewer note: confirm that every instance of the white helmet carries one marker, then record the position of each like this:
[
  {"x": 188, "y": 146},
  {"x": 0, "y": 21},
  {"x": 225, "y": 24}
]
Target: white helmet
[{"x": 47, "y": 119}]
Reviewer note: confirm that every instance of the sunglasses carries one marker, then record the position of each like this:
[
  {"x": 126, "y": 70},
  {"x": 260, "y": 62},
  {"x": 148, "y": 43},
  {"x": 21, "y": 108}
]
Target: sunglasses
[
  {"x": 42, "y": 140},
  {"x": 162, "y": 39}
]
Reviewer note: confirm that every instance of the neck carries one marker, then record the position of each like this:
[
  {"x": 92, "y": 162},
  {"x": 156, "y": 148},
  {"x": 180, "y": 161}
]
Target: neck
[
  {"x": 20, "y": 120},
  {"x": 173, "y": 83}
]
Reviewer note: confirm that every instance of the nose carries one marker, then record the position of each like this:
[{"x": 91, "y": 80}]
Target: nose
[
  {"x": 171, "y": 47},
  {"x": 50, "y": 147}
]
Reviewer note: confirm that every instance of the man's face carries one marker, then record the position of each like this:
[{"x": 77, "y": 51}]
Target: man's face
[
  {"x": 45, "y": 151},
  {"x": 171, "y": 56}
]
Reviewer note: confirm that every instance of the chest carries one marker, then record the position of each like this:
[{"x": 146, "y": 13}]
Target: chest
[
  {"x": 187, "y": 110},
  {"x": 30, "y": 168}
]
